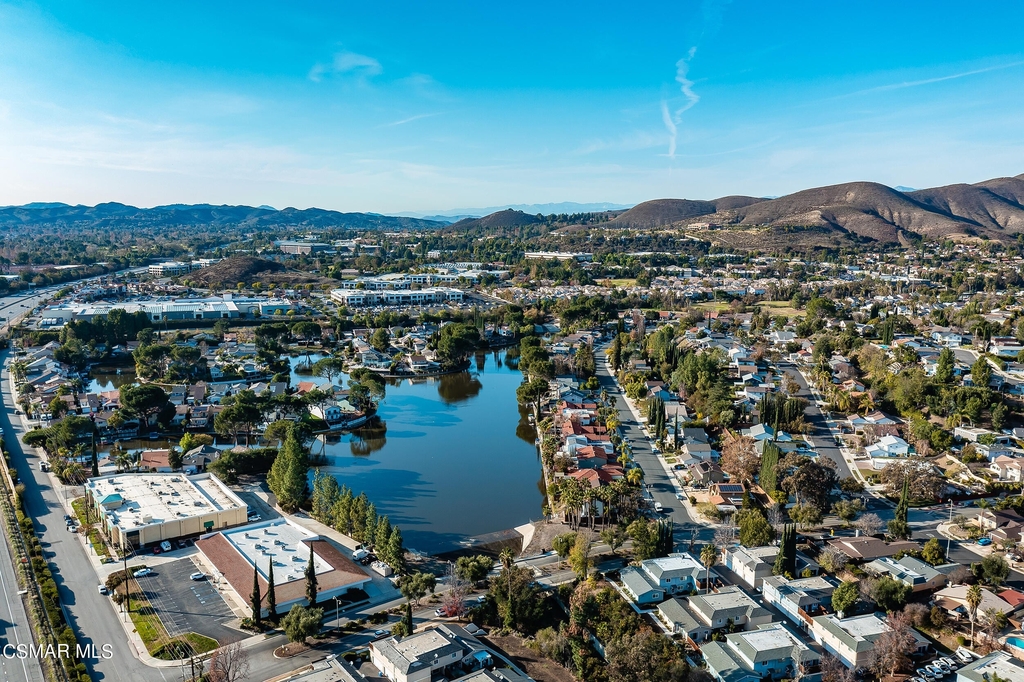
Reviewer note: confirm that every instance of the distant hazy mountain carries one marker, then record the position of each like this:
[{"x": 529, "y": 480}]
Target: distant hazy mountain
[
  {"x": 498, "y": 220},
  {"x": 115, "y": 215},
  {"x": 457, "y": 214},
  {"x": 904, "y": 188}
]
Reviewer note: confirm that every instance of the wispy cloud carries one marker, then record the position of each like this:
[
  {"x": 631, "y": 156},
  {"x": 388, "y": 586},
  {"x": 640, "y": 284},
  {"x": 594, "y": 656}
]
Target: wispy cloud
[
  {"x": 672, "y": 119},
  {"x": 351, "y": 63},
  {"x": 410, "y": 119},
  {"x": 929, "y": 81}
]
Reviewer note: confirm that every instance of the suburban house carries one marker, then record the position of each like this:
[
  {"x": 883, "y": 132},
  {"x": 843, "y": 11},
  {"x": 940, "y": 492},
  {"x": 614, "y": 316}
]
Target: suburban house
[
  {"x": 917, "y": 574},
  {"x": 729, "y": 606},
  {"x": 416, "y": 657},
  {"x": 852, "y": 640},
  {"x": 997, "y": 664},
  {"x": 156, "y": 461},
  {"x": 677, "y": 617},
  {"x": 770, "y": 652},
  {"x": 954, "y": 601},
  {"x": 754, "y": 564},
  {"x": 1007, "y": 468},
  {"x": 869, "y": 548},
  {"x": 655, "y": 579},
  {"x": 801, "y": 599},
  {"x": 887, "y": 447},
  {"x": 197, "y": 459}
]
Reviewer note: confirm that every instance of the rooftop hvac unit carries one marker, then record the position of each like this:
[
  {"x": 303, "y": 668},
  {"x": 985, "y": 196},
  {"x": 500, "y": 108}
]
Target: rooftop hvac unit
[
  {"x": 296, "y": 558},
  {"x": 147, "y": 519},
  {"x": 198, "y": 503}
]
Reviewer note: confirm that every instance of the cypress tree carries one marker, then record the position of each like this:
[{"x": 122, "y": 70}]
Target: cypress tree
[
  {"x": 255, "y": 597},
  {"x": 899, "y": 528},
  {"x": 311, "y": 585},
  {"x": 407, "y": 618},
  {"x": 271, "y": 593},
  {"x": 785, "y": 561}
]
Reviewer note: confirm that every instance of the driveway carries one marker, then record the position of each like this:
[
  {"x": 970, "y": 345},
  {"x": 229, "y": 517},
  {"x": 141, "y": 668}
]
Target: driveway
[{"x": 186, "y": 605}]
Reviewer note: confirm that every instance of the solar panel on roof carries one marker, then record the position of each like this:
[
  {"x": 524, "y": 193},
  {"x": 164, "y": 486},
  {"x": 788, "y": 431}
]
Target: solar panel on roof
[{"x": 730, "y": 488}]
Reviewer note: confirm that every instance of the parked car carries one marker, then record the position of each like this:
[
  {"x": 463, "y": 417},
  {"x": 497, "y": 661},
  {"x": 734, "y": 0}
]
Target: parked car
[
  {"x": 942, "y": 666},
  {"x": 984, "y": 542},
  {"x": 953, "y": 665},
  {"x": 72, "y": 528},
  {"x": 166, "y": 546},
  {"x": 938, "y": 672},
  {"x": 142, "y": 572},
  {"x": 380, "y": 634},
  {"x": 104, "y": 590},
  {"x": 964, "y": 655},
  {"x": 925, "y": 673},
  {"x": 253, "y": 518},
  {"x": 658, "y": 507},
  {"x": 157, "y": 550},
  {"x": 197, "y": 576}
]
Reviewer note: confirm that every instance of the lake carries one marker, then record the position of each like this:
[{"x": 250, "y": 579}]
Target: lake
[{"x": 456, "y": 457}]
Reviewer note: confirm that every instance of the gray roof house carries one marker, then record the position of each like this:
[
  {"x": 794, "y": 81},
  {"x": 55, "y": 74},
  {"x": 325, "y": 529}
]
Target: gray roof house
[
  {"x": 852, "y": 640},
  {"x": 416, "y": 657},
  {"x": 801, "y": 599},
  {"x": 771, "y": 652},
  {"x": 909, "y": 570},
  {"x": 729, "y": 604},
  {"x": 639, "y": 587},
  {"x": 986, "y": 668},
  {"x": 676, "y": 615}
]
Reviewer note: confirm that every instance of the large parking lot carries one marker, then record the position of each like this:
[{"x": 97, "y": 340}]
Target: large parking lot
[{"x": 186, "y": 605}]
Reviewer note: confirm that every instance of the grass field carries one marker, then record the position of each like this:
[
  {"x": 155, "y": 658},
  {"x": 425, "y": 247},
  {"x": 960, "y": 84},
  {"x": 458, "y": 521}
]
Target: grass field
[
  {"x": 613, "y": 283},
  {"x": 775, "y": 307}
]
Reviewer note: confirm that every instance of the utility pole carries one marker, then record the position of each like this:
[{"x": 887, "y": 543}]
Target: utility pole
[{"x": 949, "y": 539}]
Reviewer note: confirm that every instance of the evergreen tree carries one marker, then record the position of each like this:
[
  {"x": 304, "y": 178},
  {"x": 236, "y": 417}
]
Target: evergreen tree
[
  {"x": 370, "y": 523},
  {"x": 311, "y": 585},
  {"x": 255, "y": 598},
  {"x": 665, "y": 542},
  {"x": 288, "y": 474},
  {"x": 271, "y": 593},
  {"x": 785, "y": 561},
  {"x": 396, "y": 551},
  {"x": 407, "y": 618},
  {"x": 899, "y": 528},
  {"x": 769, "y": 463}
]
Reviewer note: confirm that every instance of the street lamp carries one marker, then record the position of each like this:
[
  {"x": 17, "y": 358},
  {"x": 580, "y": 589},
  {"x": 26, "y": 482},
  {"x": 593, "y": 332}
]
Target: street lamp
[
  {"x": 949, "y": 538},
  {"x": 337, "y": 618}
]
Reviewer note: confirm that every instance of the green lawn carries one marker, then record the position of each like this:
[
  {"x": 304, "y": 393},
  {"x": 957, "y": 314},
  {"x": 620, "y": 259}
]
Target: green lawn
[{"x": 613, "y": 283}]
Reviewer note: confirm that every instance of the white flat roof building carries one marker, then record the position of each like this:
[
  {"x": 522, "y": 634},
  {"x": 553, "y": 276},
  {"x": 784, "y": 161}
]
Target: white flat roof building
[
  {"x": 143, "y": 509},
  {"x": 425, "y": 296},
  {"x": 234, "y": 553}
]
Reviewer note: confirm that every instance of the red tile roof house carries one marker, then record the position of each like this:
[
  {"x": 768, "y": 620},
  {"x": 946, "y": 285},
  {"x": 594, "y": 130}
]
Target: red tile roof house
[
  {"x": 155, "y": 460},
  {"x": 232, "y": 553}
]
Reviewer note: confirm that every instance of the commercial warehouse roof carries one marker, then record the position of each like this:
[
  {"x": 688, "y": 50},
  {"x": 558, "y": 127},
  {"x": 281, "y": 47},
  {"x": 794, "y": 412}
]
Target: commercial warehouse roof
[{"x": 136, "y": 500}]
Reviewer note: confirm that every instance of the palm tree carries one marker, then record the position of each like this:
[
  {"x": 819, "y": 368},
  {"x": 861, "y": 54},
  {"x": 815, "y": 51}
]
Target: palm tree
[
  {"x": 634, "y": 476},
  {"x": 708, "y": 557},
  {"x": 973, "y": 602},
  {"x": 508, "y": 559},
  {"x": 607, "y": 495}
]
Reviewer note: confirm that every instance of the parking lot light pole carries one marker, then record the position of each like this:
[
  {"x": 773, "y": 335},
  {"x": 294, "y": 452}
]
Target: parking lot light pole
[{"x": 337, "y": 618}]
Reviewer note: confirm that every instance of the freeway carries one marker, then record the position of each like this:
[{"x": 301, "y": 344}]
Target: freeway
[
  {"x": 659, "y": 484},
  {"x": 14, "y": 623}
]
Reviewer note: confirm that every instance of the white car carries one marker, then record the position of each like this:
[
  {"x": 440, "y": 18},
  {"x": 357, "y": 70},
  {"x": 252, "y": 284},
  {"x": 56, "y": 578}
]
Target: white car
[
  {"x": 197, "y": 576},
  {"x": 142, "y": 572}
]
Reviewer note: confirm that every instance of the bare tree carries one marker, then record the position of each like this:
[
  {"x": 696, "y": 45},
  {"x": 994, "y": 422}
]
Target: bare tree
[
  {"x": 833, "y": 560},
  {"x": 776, "y": 516},
  {"x": 229, "y": 664},
  {"x": 725, "y": 537},
  {"x": 740, "y": 459},
  {"x": 454, "y": 600},
  {"x": 833, "y": 670},
  {"x": 892, "y": 649},
  {"x": 959, "y": 575},
  {"x": 869, "y": 524}
]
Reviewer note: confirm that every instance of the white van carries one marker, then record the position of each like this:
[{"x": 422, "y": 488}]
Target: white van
[{"x": 165, "y": 546}]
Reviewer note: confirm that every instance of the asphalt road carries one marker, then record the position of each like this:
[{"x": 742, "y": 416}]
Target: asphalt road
[
  {"x": 656, "y": 479},
  {"x": 821, "y": 438}
]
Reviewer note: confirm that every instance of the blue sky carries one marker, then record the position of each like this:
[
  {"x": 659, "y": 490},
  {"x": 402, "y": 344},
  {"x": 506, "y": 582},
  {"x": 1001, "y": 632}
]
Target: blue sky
[{"x": 396, "y": 107}]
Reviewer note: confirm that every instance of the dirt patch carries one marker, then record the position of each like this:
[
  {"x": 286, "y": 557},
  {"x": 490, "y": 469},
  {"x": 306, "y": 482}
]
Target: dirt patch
[
  {"x": 536, "y": 666},
  {"x": 543, "y": 534}
]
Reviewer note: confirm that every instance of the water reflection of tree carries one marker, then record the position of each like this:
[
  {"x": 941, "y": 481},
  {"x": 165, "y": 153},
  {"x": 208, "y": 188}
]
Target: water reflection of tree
[
  {"x": 524, "y": 429},
  {"x": 454, "y": 388},
  {"x": 512, "y": 357},
  {"x": 481, "y": 361},
  {"x": 368, "y": 439}
]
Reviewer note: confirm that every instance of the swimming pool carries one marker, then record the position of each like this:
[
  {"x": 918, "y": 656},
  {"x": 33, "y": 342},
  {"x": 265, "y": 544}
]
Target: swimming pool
[{"x": 1015, "y": 641}]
